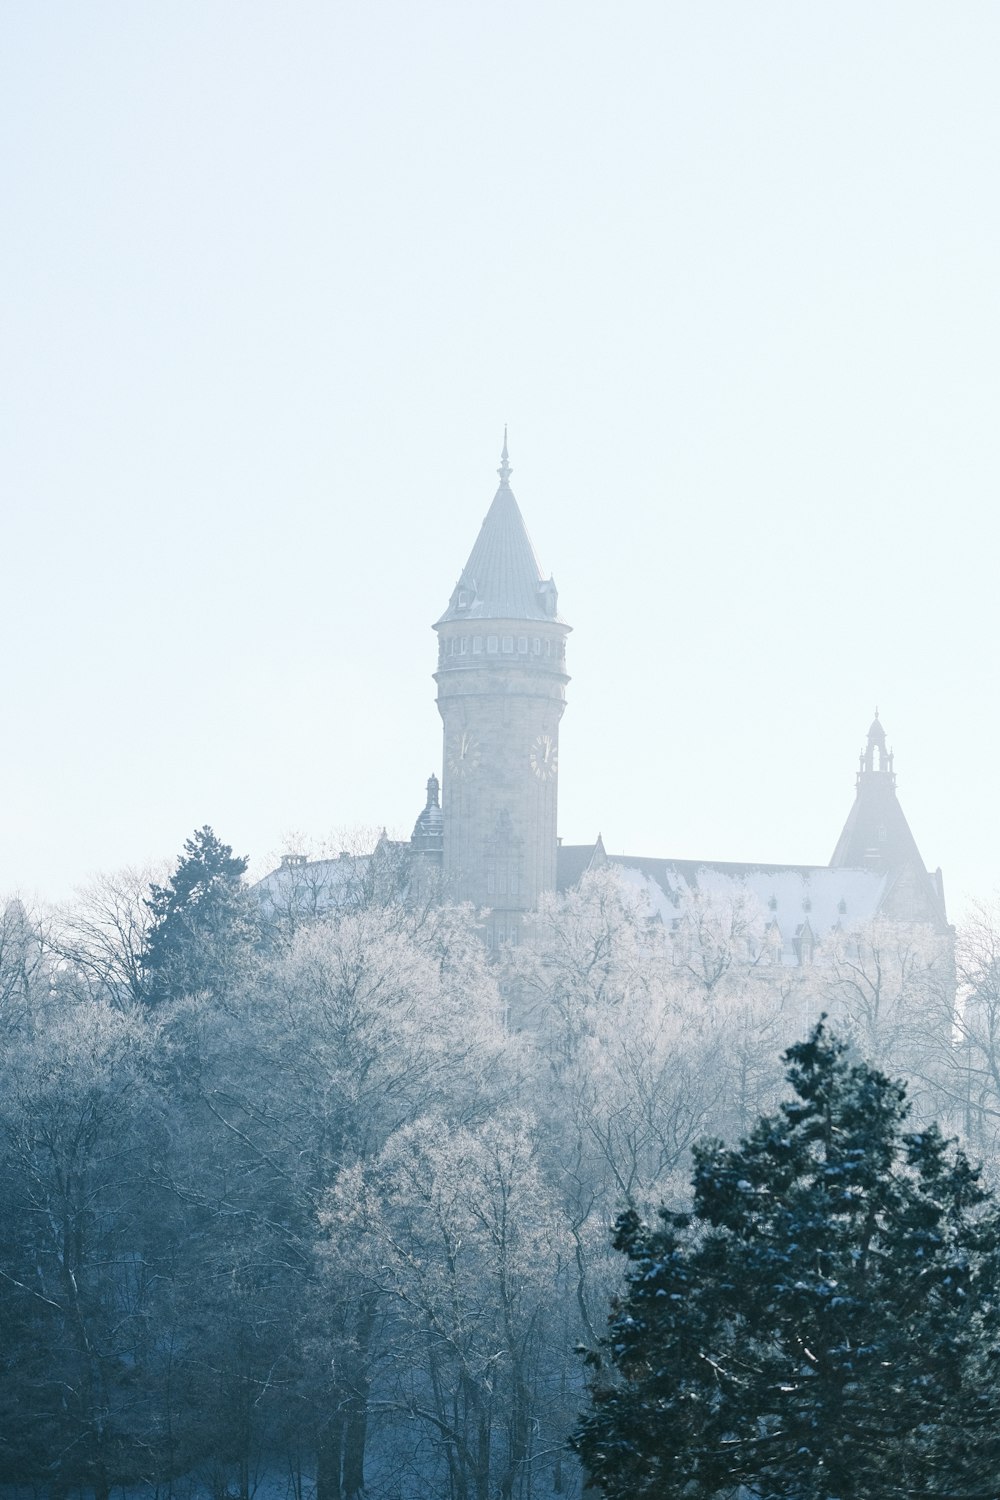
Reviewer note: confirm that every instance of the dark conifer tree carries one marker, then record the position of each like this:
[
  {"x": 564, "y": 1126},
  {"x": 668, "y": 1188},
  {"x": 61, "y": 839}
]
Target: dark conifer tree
[
  {"x": 204, "y": 921},
  {"x": 823, "y": 1326}
]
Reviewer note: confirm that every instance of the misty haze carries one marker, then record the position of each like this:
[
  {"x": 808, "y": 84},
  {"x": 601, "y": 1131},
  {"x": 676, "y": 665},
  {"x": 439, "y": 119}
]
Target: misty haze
[{"x": 465, "y": 1036}]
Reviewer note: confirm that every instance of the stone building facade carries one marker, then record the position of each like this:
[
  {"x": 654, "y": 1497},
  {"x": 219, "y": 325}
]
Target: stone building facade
[{"x": 488, "y": 832}]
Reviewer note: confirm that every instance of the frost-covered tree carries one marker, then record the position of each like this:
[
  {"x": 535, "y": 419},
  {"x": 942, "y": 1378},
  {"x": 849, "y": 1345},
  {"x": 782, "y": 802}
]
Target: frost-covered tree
[
  {"x": 103, "y": 935},
  {"x": 974, "y": 1077},
  {"x": 454, "y": 1234},
  {"x": 27, "y": 963},
  {"x": 83, "y": 1237},
  {"x": 646, "y": 1034},
  {"x": 889, "y": 988},
  {"x": 365, "y": 1022},
  {"x": 823, "y": 1326}
]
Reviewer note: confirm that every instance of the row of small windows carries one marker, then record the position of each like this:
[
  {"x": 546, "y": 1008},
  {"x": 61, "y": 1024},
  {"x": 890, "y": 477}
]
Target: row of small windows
[
  {"x": 502, "y": 880},
  {"x": 502, "y": 932},
  {"x": 496, "y": 645},
  {"x": 769, "y": 948}
]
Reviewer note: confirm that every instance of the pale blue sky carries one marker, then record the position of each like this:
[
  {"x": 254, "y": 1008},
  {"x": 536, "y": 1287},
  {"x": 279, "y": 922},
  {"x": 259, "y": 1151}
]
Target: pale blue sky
[{"x": 275, "y": 276}]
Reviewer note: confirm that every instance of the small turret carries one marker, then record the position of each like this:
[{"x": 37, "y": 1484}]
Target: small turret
[
  {"x": 428, "y": 830},
  {"x": 875, "y": 759},
  {"x": 876, "y": 835}
]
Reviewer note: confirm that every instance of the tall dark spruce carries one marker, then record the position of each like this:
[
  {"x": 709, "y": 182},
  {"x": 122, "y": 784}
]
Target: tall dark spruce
[
  {"x": 204, "y": 921},
  {"x": 823, "y": 1326}
]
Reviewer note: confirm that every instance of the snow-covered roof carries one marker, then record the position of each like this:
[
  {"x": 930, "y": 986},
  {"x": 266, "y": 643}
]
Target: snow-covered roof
[
  {"x": 315, "y": 884},
  {"x": 786, "y": 898}
]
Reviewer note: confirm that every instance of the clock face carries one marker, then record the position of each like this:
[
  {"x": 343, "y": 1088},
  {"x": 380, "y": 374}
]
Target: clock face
[
  {"x": 464, "y": 755},
  {"x": 544, "y": 757}
]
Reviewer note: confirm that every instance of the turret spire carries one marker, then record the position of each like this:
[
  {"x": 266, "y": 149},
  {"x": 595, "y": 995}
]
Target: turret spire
[
  {"x": 505, "y": 470},
  {"x": 502, "y": 579},
  {"x": 876, "y": 835},
  {"x": 876, "y": 757},
  {"x": 428, "y": 828}
]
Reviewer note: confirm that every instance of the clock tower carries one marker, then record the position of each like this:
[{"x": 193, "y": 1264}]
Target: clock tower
[{"x": 501, "y": 692}]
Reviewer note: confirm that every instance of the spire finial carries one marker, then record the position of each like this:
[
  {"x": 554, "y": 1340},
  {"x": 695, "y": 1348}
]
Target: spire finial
[{"x": 505, "y": 470}]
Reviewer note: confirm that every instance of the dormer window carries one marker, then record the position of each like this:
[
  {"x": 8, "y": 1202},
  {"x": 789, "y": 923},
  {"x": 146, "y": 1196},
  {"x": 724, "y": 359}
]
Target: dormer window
[
  {"x": 547, "y": 596},
  {"x": 463, "y": 601}
]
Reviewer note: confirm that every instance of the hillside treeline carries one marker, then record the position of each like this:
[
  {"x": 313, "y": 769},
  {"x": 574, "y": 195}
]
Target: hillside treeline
[{"x": 325, "y": 1198}]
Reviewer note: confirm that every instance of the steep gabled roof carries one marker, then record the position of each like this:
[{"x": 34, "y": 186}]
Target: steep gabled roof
[
  {"x": 876, "y": 835},
  {"x": 502, "y": 579}
]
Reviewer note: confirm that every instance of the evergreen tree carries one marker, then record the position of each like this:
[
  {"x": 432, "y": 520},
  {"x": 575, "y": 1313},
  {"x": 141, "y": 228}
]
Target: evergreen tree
[
  {"x": 204, "y": 921},
  {"x": 821, "y": 1327}
]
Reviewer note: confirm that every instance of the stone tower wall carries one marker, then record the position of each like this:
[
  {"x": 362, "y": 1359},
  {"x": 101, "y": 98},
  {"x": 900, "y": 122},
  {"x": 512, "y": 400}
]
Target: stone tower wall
[{"x": 501, "y": 711}]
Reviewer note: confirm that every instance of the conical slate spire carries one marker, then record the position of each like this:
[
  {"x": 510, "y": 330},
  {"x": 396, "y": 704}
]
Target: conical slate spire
[
  {"x": 876, "y": 834},
  {"x": 502, "y": 579}
]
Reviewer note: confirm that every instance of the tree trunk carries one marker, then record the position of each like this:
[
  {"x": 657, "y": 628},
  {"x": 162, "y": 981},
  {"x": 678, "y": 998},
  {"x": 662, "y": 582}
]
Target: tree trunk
[
  {"x": 100, "y": 1482},
  {"x": 356, "y": 1412},
  {"x": 355, "y": 1436},
  {"x": 483, "y": 1457},
  {"x": 520, "y": 1434},
  {"x": 328, "y": 1456}
]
